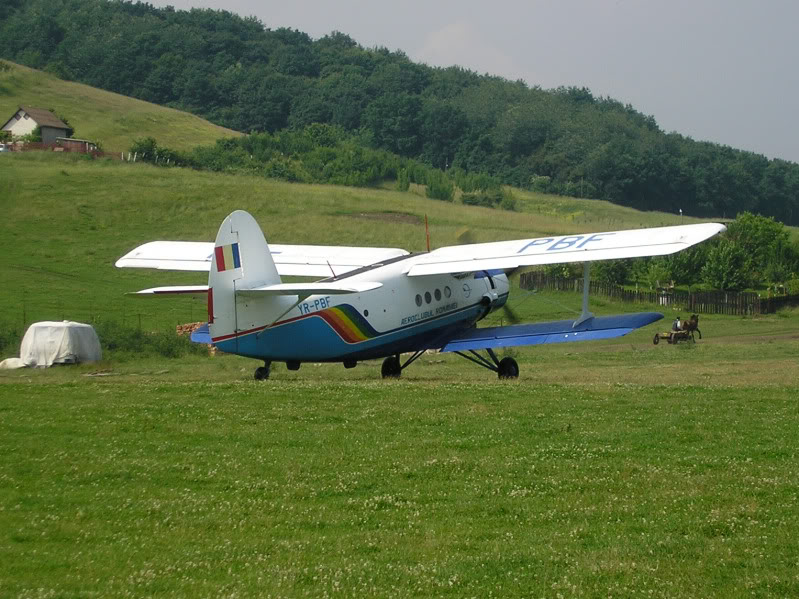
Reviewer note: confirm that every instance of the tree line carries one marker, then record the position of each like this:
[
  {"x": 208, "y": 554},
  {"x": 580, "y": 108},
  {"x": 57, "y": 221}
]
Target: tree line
[
  {"x": 327, "y": 154},
  {"x": 239, "y": 73},
  {"x": 756, "y": 252}
]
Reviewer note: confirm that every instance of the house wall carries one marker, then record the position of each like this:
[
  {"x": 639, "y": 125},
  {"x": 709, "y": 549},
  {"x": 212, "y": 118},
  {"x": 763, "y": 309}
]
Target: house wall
[
  {"x": 20, "y": 125},
  {"x": 50, "y": 133}
]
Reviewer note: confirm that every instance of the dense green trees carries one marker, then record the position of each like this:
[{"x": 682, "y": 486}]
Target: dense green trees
[
  {"x": 238, "y": 73},
  {"x": 755, "y": 252}
]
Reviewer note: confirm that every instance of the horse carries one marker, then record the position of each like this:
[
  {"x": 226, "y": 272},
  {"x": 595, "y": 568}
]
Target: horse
[{"x": 691, "y": 325}]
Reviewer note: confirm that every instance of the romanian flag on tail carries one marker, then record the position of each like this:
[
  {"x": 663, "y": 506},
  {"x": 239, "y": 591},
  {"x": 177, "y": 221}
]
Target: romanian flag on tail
[{"x": 227, "y": 257}]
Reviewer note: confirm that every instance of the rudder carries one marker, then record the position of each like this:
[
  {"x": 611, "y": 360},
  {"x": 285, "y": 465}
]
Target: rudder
[{"x": 241, "y": 260}]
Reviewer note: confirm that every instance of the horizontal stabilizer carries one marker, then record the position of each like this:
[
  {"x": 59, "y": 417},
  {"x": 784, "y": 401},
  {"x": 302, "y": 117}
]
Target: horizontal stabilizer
[
  {"x": 562, "y": 331},
  {"x": 201, "y": 334},
  {"x": 306, "y": 289},
  {"x": 174, "y": 290}
]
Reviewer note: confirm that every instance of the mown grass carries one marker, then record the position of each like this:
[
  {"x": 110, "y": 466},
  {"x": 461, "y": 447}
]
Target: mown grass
[
  {"x": 136, "y": 487},
  {"x": 613, "y": 468},
  {"x": 111, "y": 119}
]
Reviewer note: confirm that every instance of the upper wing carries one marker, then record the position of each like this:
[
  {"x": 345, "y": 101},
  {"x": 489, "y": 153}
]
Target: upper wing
[
  {"x": 506, "y": 255},
  {"x": 290, "y": 260}
]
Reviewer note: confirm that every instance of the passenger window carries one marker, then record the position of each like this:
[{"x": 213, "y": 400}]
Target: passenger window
[
  {"x": 447, "y": 292},
  {"x": 427, "y": 297},
  {"x": 418, "y": 300},
  {"x": 438, "y": 295}
]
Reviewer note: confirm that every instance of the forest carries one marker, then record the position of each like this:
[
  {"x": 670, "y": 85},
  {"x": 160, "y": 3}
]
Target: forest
[{"x": 240, "y": 73}]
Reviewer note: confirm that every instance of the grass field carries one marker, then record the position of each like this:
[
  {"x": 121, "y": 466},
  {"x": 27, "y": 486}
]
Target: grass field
[
  {"x": 608, "y": 469},
  {"x": 100, "y": 116}
]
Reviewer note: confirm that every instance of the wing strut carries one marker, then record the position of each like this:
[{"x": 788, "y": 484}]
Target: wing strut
[{"x": 585, "y": 315}]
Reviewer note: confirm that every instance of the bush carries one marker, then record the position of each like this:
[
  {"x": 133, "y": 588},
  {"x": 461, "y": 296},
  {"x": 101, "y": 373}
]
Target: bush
[
  {"x": 508, "y": 202},
  {"x": 491, "y": 198},
  {"x": 122, "y": 339},
  {"x": 9, "y": 341},
  {"x": 477, "y": 199},
  {"x": 540, "y": 183},
  {"x": 144, "y": 148},
  {"x": 727, "y": 267},
  {"x": 563, "y": 272},
  {"x": 403, "y": 181},
  {"x": 615, "y": 272},
  {"x": 439, "y": 187}
]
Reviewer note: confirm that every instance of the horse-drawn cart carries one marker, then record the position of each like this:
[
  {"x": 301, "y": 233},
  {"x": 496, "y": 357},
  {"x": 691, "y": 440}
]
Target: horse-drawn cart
[{"x": 684, "y": 333}]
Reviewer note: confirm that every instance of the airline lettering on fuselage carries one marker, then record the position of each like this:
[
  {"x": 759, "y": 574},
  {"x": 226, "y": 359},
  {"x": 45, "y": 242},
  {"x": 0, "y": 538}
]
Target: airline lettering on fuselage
[
  {"x": 419, "y": 316},
  {"x": 562, "y": 243},
  {"x": 314, "y": 306}
]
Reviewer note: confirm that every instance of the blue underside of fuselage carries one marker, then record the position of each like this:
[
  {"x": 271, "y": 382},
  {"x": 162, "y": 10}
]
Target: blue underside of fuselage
[{"x": 313, "y": 340}]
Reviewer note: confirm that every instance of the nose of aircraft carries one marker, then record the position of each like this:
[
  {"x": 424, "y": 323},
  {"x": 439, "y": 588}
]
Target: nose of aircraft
[{"x": 502, "y": 287}]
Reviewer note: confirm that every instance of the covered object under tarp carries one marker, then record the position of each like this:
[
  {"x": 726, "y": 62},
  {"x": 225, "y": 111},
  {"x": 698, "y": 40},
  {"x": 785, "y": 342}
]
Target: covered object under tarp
[{"x": 48, "y": 343}]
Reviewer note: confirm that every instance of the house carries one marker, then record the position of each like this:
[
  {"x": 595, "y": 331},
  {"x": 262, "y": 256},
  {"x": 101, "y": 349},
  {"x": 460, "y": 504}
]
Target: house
[{"x": 26, "y": 119}]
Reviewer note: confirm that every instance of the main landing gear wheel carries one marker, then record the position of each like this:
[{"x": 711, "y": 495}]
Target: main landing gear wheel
[
  {"x": 656, "y": 338},
  {"x": 262, "y": 372},
  {"x": 508, "y": 369},
  {"x": 391, "y": 368}
]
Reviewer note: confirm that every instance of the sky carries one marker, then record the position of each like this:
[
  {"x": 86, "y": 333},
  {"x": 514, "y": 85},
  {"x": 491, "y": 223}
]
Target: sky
[{"x": 716, "y": 70}]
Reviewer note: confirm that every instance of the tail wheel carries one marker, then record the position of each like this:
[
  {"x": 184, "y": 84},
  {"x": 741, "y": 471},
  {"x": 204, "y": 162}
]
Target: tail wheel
[
  {"x": 262, "y": 373},
  {"x": 391, "y": 368},
  {"x": 508, "y": 368}
]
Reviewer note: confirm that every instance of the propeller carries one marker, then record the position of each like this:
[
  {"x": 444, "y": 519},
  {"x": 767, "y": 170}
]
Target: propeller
[
  {"x": 427, "y": 233},
  {"x": 510, "y": 315}
]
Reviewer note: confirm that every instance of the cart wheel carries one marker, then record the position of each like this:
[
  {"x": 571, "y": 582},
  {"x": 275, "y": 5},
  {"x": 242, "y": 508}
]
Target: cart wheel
[{"x": 656, "y": 338}]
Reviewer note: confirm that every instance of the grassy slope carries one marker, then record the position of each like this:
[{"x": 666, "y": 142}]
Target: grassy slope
[
  {"x": 66, "y": 220},
  {"x": 610, "y": 468},
  {"x": 106, "y": 117}
]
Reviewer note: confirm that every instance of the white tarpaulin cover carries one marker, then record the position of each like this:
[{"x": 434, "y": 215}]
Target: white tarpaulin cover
[
  {"x": 12, "y": 364},
  {"x": 48, "y": 343}
]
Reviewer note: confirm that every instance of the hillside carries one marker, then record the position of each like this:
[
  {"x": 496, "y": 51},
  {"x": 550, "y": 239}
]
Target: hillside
[
  {"x": 111, "y": 119},
  {"x": 238, "y": 73},
  {"x": 64, "y": 251}
]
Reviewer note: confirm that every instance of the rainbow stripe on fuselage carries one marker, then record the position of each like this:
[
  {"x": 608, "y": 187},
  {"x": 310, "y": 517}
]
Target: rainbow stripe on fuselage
[
  {"x": 405, "y": 314},
  {"x": 341, "y": 332}
]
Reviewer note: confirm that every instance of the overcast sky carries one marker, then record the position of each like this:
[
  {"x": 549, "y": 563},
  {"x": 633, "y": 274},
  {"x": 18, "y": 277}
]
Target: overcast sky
[{"x": 718, "y": 70}]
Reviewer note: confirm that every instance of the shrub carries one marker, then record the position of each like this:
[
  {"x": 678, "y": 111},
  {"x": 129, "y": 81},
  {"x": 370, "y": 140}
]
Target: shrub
[
  {"x": 122, "y": 339},
  {"x": 9, "y": 341},
  {"x": 403, "y": 181},
  {"x": 439, "y": 187}
]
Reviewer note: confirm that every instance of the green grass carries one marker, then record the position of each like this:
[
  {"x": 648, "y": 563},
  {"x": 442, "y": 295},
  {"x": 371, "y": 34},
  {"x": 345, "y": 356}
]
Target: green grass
[
  {"x": 137, "y": 486},
  {"x": 111, "y": 119},
  {"x": 613, "y": 468}
]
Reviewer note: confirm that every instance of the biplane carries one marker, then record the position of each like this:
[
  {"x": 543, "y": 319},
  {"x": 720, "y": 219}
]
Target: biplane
[{"x": 372, "y": 303}]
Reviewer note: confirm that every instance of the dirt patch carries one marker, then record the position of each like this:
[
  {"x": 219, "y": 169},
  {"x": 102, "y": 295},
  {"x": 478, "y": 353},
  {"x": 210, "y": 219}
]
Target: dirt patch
[{"x": 389, "y": 217}]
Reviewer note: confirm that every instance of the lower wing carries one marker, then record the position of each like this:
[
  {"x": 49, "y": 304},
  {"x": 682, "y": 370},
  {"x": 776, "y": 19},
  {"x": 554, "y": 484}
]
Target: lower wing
[{"x": 561, "y": 331}]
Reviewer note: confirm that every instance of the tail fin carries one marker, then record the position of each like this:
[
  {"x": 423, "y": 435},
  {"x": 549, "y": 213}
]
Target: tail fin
[{"x": 241, "y": 261}]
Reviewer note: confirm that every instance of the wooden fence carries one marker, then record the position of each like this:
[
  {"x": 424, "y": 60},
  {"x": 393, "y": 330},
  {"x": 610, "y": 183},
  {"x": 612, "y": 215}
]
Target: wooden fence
[
  {"x": 699, "y": 302},
  {"x": 33, "y": 146}
]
